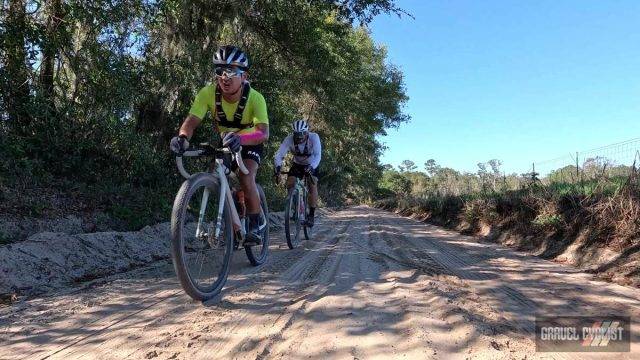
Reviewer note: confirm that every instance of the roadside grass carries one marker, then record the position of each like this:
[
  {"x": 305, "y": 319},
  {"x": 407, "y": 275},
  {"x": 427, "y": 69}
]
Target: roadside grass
[{"x": 606, "y": 210}]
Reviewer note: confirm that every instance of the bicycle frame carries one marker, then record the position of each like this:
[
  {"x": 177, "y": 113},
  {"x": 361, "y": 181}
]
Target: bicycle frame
[
  {"x": 225, "y": 199},
  {"x": 302, "y": 198},
  {"x": 301, "y": 188}
]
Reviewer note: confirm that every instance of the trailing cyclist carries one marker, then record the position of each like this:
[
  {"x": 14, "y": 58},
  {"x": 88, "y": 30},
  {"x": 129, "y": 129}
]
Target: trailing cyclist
[
  {"x": 306, "y": 149},
  {"x": 240, "y": 116}
]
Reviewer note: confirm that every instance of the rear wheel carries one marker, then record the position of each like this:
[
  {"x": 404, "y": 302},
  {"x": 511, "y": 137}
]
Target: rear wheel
[
  {"x": 258, "y": 254},
  {"x": 200, "y": 258},
  {"x": 308, "y": 230},
  {"x": 292, "y": 220}
]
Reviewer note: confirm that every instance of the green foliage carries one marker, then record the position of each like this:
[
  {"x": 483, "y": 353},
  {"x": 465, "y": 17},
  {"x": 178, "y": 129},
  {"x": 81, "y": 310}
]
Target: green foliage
[
  {"x": 135, "y": 208},
  {"x": 431, "y": 167},
  {"x": 547, "y": 220},
  {"x": 608, "y": 187},
  {"x": 408, "y": 165},
  {"x": 597, "y": 176},
  {"x": 117, "y": 78},
  {"x": 597, "y": 208},
  {"x": 396, "y": 183}
]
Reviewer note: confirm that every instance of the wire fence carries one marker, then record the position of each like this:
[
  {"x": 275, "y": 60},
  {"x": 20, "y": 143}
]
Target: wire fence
[{"x": 613, "y": 160}]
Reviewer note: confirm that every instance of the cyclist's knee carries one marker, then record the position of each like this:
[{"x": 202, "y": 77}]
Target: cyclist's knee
[{"x": 252, "y": 166}]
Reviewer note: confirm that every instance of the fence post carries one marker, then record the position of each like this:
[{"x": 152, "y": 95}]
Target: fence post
[
  {"x": 634, "y": 169},
  {"x": 533, "y": 174},
  {"x": 577, "y": 168}
]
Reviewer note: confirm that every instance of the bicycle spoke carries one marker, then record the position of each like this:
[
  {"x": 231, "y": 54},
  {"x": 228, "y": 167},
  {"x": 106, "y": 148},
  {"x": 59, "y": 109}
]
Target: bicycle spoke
[{"x": 204, "y": 262}]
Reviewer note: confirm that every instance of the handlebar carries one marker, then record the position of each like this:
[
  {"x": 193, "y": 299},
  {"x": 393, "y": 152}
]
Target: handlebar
[
  {"x": 311, "y": 178},
  {"x": 240, "y": 162},
  {"x": 195, "y": 152},
  {"x": 287, "y": 173}
]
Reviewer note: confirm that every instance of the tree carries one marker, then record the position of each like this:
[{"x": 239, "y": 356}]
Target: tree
[
  {"x": 431, "y": 167},
  {"x": 407, "y": 165},
  {"x": 96, "y": 78},
  {"x": 596, "y": 166},
  {"x": 483, "y": 174},
  {"x": 396, "y": 182},
  {"x": 15, "y": 82},
  {"x": 51, "y": 43},
  {"x": 495, "y": 166},
  {"x": 564, "y": 174},
  {"x": 419, "y": 183},
  {"x": 447, "y": 181}
]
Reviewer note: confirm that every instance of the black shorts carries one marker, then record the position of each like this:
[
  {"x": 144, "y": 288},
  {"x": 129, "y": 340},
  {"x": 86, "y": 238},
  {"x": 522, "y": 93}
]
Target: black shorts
[
  {"x": 253, "y": 152},
  {"x": 297, "y": 170}
]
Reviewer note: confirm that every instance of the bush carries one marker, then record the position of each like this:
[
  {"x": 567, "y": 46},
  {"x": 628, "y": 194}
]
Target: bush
[
  {"x": 608, "y": 219},
  {"x": 553, "y": 221}
]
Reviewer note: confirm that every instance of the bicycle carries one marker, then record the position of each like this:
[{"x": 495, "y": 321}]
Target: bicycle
[
  {"x": 297, "y": 210},
  {"x": 208, "y": 223}
]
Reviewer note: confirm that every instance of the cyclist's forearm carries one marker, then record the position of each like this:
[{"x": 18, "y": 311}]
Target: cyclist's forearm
[
  {"x": 282, "y": 151},
  {"x": 317, "y": 154},
  {"x": 315, "y": 161},
  {"x": 277, "y": 161},
  {"x": 189, "y": 125},
  {"x": 260, "y": 135},
  {"x": 253, "y": 138}
]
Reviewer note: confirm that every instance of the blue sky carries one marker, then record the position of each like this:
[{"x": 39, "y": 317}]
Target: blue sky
[{"x": 520, "y": 81}]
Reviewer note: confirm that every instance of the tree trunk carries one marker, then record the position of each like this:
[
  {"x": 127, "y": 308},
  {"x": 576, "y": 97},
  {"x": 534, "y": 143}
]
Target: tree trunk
[
  {"x": 17, "y": 92},
  {"x": 50, "y": 48}
]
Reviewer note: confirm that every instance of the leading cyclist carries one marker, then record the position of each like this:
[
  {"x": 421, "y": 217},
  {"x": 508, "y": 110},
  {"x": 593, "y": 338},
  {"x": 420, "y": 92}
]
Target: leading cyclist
[
  {"x": 306, "y": 149},
  {"x": 240, "y": 116}
]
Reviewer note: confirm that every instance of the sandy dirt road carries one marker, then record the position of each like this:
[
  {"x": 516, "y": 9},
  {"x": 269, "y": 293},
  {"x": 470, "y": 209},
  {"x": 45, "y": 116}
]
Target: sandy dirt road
[{"x": 371, "y": 285}]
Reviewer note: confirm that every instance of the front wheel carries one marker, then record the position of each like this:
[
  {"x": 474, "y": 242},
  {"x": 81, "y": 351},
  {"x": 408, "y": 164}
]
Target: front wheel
[
  {"x": 201, "y": 246},
  {"x": 292, "y": 220},
  {"x": 258, "y": 254}
]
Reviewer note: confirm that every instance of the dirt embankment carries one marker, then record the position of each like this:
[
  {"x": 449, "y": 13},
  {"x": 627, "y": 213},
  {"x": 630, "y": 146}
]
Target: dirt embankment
[
  {"x": 599, "y": 235},
  {"x": 49, "y": 260}
]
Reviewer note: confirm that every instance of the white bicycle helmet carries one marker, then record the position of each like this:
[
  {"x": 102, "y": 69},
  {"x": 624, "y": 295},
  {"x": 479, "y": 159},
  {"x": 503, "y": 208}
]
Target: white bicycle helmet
[
  {"x": 229, "y": 55},
  {"x": 300, "y": 126}
]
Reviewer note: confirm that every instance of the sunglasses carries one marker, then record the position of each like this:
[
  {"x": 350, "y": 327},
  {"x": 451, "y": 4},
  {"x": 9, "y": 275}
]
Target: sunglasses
[
  {"x": 298, "y": 136},
  {"x": 228, "y": 72}
]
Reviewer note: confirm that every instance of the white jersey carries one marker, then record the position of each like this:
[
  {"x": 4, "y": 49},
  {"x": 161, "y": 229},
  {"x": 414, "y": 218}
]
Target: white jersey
[{"x": 306, "y": 153}]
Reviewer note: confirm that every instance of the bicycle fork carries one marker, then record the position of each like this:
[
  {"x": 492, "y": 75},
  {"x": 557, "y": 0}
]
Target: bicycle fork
[
  {"x": 224, "y": 200},
  {"x": 201, "y": 232},
  {"x": 301, "y": 204},
  {"x": 203, "y": 208}
]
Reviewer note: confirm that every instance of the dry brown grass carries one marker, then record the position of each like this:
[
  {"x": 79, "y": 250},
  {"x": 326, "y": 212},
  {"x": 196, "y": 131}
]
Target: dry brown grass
[{"x": 607, "y": 220}]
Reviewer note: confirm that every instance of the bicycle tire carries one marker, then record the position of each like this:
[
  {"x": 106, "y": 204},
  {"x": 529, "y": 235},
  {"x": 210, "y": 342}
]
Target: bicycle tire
[
  {"x": 308, "y": 230},
  {"x": 291, "y": 202},
  {"x": 178, "y": 222},
  {"x": 264, "y": 247}
]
